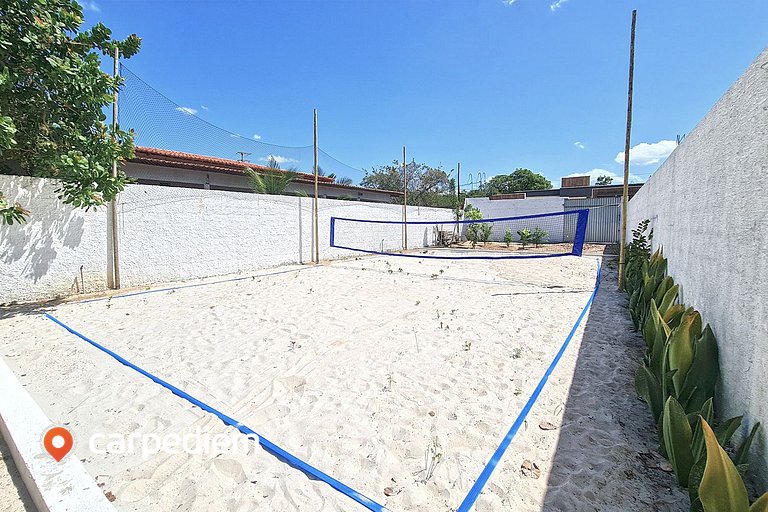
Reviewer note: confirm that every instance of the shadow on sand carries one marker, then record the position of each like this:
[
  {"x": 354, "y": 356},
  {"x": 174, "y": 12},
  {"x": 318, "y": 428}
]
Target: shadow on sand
[{"x": 607, "y": 438}]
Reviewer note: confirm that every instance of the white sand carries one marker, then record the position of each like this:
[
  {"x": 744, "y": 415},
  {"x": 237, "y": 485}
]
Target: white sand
[{"x": 355, "y": 367}]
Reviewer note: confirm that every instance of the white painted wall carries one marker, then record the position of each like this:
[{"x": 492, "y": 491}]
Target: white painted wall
[
  {"x": 516, "y": 207},
  {"x": 169, "y": 234},
  {"x": 708, "y": 207},
  {"x": 42, "y": 259}
]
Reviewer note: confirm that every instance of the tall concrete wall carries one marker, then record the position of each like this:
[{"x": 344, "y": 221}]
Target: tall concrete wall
[
  {"x": 495, "y": 208},
  {"x": 708, "y": 206},
  {"x": 169, "y": 234},
  {"x": 516, "y": 207}
]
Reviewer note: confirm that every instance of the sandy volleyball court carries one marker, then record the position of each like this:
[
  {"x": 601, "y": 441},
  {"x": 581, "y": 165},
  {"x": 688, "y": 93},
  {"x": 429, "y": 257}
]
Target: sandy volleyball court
[{"x": 397, "y": 376}]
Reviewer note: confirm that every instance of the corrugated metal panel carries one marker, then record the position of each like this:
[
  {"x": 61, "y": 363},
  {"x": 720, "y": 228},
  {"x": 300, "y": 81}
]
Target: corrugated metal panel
[{"x": 604, "y": 223}]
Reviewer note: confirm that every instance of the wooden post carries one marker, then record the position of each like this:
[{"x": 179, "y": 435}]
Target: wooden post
[
  {"x": 625, "y": 195},
  {"x": 113, "y": 273},
  {"x": 316, "y": 206},
  {"x": 456, "y": 229},
  {"x": 405, "y": 202},
  {"x": 458, "y": 180}
]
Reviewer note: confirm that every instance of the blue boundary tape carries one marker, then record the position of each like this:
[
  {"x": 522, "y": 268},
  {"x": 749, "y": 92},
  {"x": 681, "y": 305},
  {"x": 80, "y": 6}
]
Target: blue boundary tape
[
  {"x": 477, "y": 488},
  {"x": 269, "y": 446},
  {"x": 578, "y": 243}
]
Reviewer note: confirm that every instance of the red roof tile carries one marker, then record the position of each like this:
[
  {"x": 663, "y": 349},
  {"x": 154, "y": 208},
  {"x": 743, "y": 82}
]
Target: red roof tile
[{"x": 168, "y": 158}]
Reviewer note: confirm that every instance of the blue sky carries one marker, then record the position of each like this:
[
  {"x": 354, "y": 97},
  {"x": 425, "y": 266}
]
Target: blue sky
[{"x": 493, "y": 84}]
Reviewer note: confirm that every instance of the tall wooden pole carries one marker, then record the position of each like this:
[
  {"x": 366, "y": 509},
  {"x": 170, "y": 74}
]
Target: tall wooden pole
[
  {"x": 459, "y": 206},
  {"x": 405, "y": 202},
  {"x": 315, "y": 207},
  {"x": 458, "y": 181},
  {"x": 625, "y": 196},
  {"x": 113, "y": 277}
]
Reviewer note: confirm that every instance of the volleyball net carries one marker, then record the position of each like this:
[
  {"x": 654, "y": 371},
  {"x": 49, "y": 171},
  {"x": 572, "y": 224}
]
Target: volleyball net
[{"x": 528, "y": 236}]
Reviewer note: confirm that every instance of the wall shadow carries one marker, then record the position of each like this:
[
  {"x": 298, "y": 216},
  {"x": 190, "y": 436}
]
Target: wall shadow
[
  {"x": 50, "y": 220},
  {"x": 606, "y": 456}
]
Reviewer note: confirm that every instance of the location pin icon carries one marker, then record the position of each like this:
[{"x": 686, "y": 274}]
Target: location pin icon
[{"x": 58, "y": 442}]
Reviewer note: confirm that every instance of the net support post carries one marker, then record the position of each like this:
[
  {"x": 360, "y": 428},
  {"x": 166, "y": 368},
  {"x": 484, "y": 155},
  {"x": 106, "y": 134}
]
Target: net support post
[
  {"x": 113, "y": 235},
  {"x": 581, "y": 231},
  {"x": 333, "y": 230}
]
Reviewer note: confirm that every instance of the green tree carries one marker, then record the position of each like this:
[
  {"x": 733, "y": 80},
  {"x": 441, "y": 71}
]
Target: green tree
[
  {"x": 427, "y": 186},
  {"x": 474, "y": 230},
  {"x": 52, "y": 96},
  {"x": 521, "y": 179},
  {"x": 604, "y": 180}
]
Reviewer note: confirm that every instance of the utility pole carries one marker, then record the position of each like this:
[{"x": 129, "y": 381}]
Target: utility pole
[
  {"x": 405, "y": 202},
  {"x": 458, "y": 181},
  {"x": 459, "y": 206},
  {"x": 113, "y": 253},
  {"x": 315, "y": 207},
  {"x": 625, "y": 195}
]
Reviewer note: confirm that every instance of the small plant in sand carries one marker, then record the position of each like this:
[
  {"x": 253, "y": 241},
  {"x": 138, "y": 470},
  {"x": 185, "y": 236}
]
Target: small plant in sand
[
  {"x": 539, "y": 236},
  {"x": 390, "y": 381},
  {"x": 467, "y": 346},
  {"x": 517, "y": 353},
  {"x": 525, "y": 236},
  {"x": 432, "y": 458},
  {"x": 485, "y": 232},
  {"x": 508, "y": 237}
]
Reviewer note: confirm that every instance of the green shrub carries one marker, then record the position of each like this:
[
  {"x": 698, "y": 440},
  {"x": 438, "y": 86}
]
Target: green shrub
[
  {"x": 526, "y": 236},
  {"x": 485, "y": 231},
  {"x": 508, "y": 237},
  {"x": 539, "y": 236},
  {"x": 677, "y": 380},
  {"x": 475, "y": 231}
]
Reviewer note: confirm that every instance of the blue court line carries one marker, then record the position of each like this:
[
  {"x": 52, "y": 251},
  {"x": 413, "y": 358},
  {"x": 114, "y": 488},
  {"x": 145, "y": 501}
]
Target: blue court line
[
  {"x": 195, "y": 285},
  {"x": 477, "y": 488},
  {"x": 269, "y": 446}
]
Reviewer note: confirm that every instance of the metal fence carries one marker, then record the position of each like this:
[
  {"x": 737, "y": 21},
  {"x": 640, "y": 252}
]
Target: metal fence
[{"x": 604, "y": 224}]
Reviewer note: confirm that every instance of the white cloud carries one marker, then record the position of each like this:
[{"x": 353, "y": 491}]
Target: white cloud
[
  {"x": 648, "y": 154},
  {"x": 91, "y": 6},
  {"x": 556, "y": 5},
  {"x": 597, "y": 172},
  {"x": 579, "y": 145},
  {"x": 508, "y": 2},
  {"x": 203, "y": 107},
  {"x": 256, "y": 136},
  {"x": 187, "y": 110},
  {"x": 235, "y": 135},
  {"x": 277, "y": 158}
]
